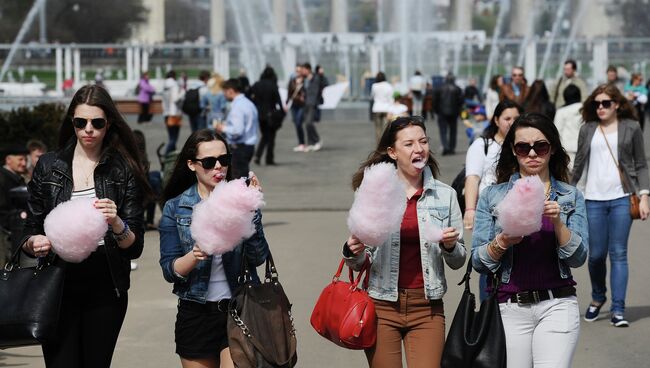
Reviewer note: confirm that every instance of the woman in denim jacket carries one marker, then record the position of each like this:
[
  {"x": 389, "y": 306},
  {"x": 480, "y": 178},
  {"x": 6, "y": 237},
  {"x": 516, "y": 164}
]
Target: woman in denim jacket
[
  {"x": 537, "y": 294},
  {"x": 204, "y": 284},
  {"x": 407, "y": 278}
]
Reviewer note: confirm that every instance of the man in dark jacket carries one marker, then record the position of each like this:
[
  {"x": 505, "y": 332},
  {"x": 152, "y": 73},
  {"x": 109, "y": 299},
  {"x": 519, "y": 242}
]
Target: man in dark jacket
[
  {"x": 13, "y": 197},
  {"x": 448, "y": 103},
  {"x": 313, "y": 90}
]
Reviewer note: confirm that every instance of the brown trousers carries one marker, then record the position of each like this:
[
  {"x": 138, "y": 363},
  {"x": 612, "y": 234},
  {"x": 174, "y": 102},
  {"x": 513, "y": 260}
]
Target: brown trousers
[{"x": 419, "y": 322}]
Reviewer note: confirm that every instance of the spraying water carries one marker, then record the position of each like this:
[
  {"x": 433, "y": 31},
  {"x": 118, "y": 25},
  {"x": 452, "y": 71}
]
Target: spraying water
[
  {"x": 21, "y": 34},
  {"x": 549, "y": 45},
  {"x": 504, "y": 8}
]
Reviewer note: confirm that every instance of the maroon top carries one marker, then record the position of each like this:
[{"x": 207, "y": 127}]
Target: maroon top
[
  {"x": 535, "y": 264},
  {"x": 410, "y": 263}
]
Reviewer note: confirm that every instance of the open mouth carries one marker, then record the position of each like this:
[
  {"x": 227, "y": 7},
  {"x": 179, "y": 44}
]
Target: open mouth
[
  {"x": 219, "y": 176},
  {"x": 419, "y": 162}
]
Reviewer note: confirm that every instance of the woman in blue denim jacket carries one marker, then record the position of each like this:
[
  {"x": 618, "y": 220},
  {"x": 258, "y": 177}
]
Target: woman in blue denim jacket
[
  {"x": 537, "y": 294},
  {"x": 407, "y": 277},
  {"x": 204, "y": 284}
]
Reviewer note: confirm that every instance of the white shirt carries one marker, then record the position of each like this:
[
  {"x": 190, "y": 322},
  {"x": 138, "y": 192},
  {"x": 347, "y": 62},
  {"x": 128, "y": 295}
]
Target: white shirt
[
  {"x": 416, "y": 83},
  {"x": 482, "y": 165},
  {"x": 568, "y": 121},
  {"x": 86, "y": 193},
  {"x": 491, "y": 102},
  {"x": 218, "y": 286},
  {"x": 382, "y": 95},
  {"x": 172, "y": 94},
  {"x": 603, "y": 179}
]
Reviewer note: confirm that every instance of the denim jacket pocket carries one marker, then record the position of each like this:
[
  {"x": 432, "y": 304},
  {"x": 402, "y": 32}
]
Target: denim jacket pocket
[
  {"x": 183, "y": 224},
  {"x": 439, "y": 214}
]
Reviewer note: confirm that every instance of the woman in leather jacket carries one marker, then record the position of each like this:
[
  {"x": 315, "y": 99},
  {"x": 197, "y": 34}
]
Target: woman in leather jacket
[
  {"x": 204, "y": 284},
  {"x": 407, "y": 274},
  {"x": 97, "y": 159}
]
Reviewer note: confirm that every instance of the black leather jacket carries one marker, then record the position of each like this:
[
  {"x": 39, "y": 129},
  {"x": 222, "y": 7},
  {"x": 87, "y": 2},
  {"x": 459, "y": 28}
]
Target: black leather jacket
[{"x": 52, "y": 184}]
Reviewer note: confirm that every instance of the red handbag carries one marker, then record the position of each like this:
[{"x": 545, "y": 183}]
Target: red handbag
[{"x": 344, "y": 313}]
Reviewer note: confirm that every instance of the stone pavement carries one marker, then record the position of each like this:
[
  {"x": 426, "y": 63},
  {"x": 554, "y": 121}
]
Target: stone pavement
[{"x": 307, "y": 197}]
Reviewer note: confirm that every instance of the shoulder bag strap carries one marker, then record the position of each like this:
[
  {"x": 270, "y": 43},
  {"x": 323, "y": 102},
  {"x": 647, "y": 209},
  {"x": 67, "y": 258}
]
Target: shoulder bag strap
[{"x": 626, "y": 186}]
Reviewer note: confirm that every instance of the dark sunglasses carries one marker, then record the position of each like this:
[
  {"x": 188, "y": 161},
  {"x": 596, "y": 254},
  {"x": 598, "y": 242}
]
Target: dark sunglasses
[
  {"x": 211, "y": 162},
  {"x": 541, "y": 148},
  {"x": 605, "y": 103},
  {"x": 80, "y": 123}
]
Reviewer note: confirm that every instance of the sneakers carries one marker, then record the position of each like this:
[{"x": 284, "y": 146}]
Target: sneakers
[
  {"x": 316, "y": 147},
  {"x": 300, "y": 148},
  {"x": 592, "y": 312},
  {"x": 134, "y": 266},
  {"x": 619, "y": 321}
]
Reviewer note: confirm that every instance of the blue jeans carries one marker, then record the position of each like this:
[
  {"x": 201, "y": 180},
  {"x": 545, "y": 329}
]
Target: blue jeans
[
  {"x": 609, "y": 229},
  {"x": 297, "y": 114}
]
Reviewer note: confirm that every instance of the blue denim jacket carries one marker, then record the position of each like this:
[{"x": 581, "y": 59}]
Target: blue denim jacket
[
  {"x": 176, "y": 241},
  {"x": 486, "y": 228},
  {"x": 438, "y": 204}
]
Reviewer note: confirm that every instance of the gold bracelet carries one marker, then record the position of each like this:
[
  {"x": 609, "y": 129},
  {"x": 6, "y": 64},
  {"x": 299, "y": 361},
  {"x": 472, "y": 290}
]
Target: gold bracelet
[{"x": 496, "y": 249}]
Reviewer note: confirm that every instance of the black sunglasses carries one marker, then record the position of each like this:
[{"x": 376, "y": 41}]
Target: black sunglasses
[
  {"x": 80, "y": 123},
  {"x": 605, "y": 103},
  {"x": 211, "y": 162},
  {"x": 541, "y": 148}
]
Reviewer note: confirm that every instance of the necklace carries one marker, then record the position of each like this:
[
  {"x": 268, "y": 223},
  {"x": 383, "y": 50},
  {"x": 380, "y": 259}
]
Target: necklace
[
  {"x": 547, "y": 191},
  {"x": 86, "y": 175}
]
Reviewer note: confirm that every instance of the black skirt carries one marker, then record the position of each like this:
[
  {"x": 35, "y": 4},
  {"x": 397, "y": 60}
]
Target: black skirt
[{"x": 200, "y": 330}]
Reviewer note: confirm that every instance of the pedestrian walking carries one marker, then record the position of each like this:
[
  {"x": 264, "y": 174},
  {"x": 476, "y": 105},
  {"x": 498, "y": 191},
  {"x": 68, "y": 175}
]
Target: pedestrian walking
[
  {"x": 568, "y": 121},
  {"x": 172, "y": 97},
  {"x": 448, "y": 103},
  {"x": 381, "y": 93},
  {"x": 517, "y": 89},
  {"x": 204, "y": 284},
  {"x": 145, "y": 96},
  {"x": 610, "y": 166},
  {"x": 296, "y": 103},
  {"x": 240, "y": 127},
  {"x": 569, "y": 77},
  {"x": 266, "y": 97},
  {"x": 97, "y": 158},
  {"x": 312, "y": 84},
  {"x": 407, "y": 277},
  {"x": 537, "y": 295}
]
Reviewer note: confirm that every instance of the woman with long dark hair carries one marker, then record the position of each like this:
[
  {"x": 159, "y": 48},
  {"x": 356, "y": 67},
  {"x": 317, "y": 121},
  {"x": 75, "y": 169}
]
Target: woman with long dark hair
[
  {"x": 537, "y": 295},
  {"x": 97, "y": 158},
  {"x": 204, "y": 284},
  {"x": 610, "y": 165},
  {"x": 539, "y": 101},
  {"x": 266, "y": 97},
  {"x": 409, "y": 304}
]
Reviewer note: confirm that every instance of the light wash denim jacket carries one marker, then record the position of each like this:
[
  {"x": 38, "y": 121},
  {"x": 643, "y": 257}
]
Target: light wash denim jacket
[
  {"x": 176, "y": 241},
  {"x": 572, "y": 213},
  {"x": 438, "y": 204}
]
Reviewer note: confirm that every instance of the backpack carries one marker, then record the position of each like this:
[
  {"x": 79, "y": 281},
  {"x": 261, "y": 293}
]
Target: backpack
[
  {"x": 459, "y": 181},
  {"x": 191, "y": 104}
]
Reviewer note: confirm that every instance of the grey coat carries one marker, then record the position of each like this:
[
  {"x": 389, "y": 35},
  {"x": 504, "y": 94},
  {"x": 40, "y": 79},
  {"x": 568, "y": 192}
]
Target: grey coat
[{"x": 631, "y": 154}]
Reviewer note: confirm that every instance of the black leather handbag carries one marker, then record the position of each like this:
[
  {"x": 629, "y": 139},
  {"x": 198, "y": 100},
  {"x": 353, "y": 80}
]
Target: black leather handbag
[
  {"x": 476, "y": 339},
  {"x": 260, "y": 327},
  {"x": 30, "y": 299}
]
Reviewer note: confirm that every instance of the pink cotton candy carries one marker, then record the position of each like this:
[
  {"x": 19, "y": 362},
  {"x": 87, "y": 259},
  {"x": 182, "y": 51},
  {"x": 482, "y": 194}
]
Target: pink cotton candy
[
  {"x": 225, "y": 219},
  {"x": 75, "y": 229},
  {"x": 379, "y": 205},
  {"x": 520, "y": 211}
]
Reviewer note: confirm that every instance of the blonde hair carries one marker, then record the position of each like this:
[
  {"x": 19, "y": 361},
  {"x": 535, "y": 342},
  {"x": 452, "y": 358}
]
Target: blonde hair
[{"x": 215, "y": 83}]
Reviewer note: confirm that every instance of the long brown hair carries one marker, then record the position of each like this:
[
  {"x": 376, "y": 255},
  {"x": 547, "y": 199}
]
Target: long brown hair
[
  {"x": 119, "y": 137},
  {"x": 625, "y": 109},
  {"x": 380, "y": 154},
  {"x": 182, "y": 177},
  {"x": 558, "y": 165}
]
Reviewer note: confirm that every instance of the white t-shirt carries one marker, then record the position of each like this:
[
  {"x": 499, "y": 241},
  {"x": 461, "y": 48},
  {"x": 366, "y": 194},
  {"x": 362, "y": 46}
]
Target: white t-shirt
[
  {"x": 603, "y": 180},
  {"x": 482, "y": 165},
  {"x": 416, "y": 83},
  {"x": 86, "y": 193},
  {"x": 218, "y": 286},
  {"x": 382, "y": 96}
]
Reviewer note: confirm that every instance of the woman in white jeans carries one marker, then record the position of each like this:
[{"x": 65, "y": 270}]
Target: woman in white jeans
[{"x": 537, "y": 295}]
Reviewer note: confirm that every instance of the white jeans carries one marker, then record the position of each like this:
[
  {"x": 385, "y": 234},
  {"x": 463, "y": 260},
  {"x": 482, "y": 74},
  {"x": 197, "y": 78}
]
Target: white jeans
[{"x": 543, "y": 334}]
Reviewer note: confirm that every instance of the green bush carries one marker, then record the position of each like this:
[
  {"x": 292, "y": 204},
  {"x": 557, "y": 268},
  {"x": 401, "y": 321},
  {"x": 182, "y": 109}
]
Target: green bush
[{"x": 39, "y": 122}]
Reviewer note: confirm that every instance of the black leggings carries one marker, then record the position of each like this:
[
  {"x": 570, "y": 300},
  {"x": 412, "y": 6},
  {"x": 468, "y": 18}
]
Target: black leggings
[{"x": 89, "y": 324}]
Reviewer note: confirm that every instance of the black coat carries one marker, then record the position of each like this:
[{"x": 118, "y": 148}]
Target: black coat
[
  {"x": 266, "y": 98},
  {"x": 52, "y": 184}
]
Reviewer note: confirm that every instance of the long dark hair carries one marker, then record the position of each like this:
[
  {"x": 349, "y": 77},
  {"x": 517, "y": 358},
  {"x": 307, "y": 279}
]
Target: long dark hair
[
  {"x": 380, "y": 154},
  {"x": 119, "y": 137},
  {"x": 537, "y": 97},
  {"x": 625, "y": 109},
  {"x": 559, "y": 161},
  {"x": 182, "y": 177},
  {"x": 502, "y": 106}
]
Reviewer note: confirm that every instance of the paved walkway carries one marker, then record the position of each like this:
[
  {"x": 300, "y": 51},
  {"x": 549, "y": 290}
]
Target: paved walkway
[{"x": 307, "y": 197}]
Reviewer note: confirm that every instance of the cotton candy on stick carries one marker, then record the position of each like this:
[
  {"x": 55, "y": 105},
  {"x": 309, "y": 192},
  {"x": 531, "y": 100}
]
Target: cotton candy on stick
[
  {"x": 378, "y": 206},
  {"x": 75, "y": 229},
  {"x": 520, "y": 212},
  {"x": 225, "y": 219}
]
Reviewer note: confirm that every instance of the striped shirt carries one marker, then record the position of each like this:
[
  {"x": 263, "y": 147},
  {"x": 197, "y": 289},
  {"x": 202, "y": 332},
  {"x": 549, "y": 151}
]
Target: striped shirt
[{"x": 86, "y": 193}]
